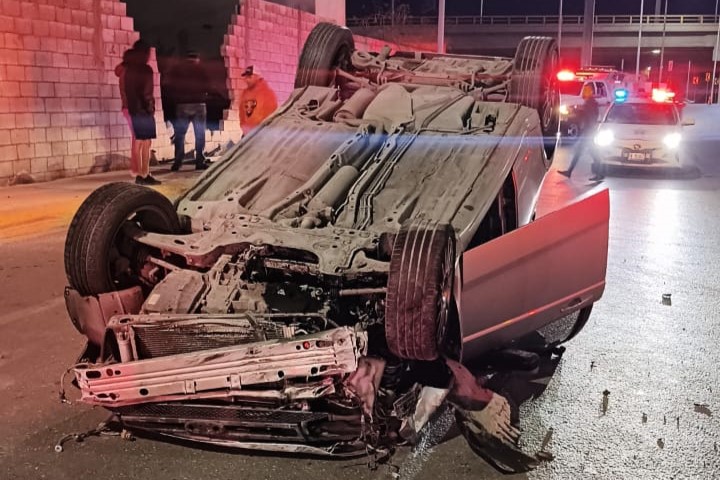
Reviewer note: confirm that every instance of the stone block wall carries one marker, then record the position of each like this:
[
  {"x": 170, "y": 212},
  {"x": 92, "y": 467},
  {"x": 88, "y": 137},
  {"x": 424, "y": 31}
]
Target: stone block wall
[
  {"x": 59, "y": 97},
  {"x": 270, "y": 37}
]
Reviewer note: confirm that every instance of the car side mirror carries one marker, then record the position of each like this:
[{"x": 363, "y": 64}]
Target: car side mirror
[{"x": 686, "y": 122}]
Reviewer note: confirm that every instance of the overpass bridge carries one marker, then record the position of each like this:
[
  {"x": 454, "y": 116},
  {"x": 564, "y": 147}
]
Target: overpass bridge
[{"x": 468, "y": 34}]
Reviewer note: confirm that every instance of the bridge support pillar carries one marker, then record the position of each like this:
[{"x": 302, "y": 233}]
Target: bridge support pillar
[{"x": 588, "y": 24}]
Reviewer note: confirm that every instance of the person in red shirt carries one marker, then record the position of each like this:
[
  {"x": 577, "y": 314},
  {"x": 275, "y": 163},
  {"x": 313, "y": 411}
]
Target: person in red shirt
[{"x": 257, "y": 101}]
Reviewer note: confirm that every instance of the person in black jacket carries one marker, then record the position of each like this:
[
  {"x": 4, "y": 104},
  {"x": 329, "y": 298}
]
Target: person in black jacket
[
  {"x": 141, "y": 107},
  {"x": 188, "y": 85},
  {"x": 120, "y": 73},
  {"x": 589, "y": 118}
]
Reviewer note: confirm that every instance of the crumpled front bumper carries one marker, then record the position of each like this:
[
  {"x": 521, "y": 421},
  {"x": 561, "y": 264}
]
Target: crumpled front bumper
[{"x": 305, "y": 366}]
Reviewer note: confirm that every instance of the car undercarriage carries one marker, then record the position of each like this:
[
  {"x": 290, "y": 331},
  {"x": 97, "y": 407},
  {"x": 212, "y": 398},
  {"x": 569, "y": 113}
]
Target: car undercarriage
[{"x": 306, "y": 295}]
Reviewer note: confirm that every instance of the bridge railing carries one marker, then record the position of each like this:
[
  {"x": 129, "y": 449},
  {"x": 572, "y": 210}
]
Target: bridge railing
[{"x": 385, "y": 20}]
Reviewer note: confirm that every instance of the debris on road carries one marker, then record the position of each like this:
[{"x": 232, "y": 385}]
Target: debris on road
[
  {"x": 592, "y": 365},
  {"x": 545, "y": 456},
  {"x": 605, "y": 401},
  {"x": 703, "y": 408},
  {"x": 677, "y": 421},
  {"x": 664, "y": 420},
  {"x": 546, "y": 439},
  {"x": 644, "y": 417},
  {"x": 660, "y": 443},
  {"x": 667, "y": 299},
  {"x": 103, "y": 429}
]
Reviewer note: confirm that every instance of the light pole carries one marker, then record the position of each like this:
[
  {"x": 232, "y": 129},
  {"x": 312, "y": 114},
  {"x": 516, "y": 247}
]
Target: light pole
[
  {"x": 441, "y": 27},
  {"x": 715, "y": 55},
  {"x": 560, "y": 23},
  {"x": 662, "y": 44},
  {"x": 637, "y": 58}
]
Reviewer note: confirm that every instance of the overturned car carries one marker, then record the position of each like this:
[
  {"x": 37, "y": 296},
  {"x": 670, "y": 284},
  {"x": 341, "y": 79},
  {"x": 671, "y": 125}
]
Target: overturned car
[{"x": 322, "y": 287}]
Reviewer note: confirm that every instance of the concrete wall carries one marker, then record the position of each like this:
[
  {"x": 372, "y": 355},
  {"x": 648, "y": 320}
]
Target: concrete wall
[
  {"x": 59, "y": 98},
  {"x": 270, "y": 37}
]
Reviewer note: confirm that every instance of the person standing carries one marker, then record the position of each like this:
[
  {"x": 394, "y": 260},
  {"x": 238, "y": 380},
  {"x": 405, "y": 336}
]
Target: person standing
[
  {"x": 120, "y": 73},
  {"x": 257, "y": 101},
  {"x": 188, "y": 86},
  {"x": 589, "y": 113},
  {"x": 141, "y": 107}
]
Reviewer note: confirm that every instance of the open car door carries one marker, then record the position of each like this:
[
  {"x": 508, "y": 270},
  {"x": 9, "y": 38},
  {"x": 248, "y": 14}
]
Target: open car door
[{"x": 526, "y": 279}]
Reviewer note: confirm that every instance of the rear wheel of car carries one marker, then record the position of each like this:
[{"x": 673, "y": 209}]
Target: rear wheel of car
[
  {"x": 99, "y": 256},
  {"x": 327, "y": 48},
  {"x": 420, "y": 285},
  {"x": 534, "y": 84}
]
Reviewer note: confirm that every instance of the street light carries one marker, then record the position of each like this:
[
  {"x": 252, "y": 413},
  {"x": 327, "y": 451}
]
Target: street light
[
  {"x": 441, "y": 27},
  {"x": 715, "y": 54},
  {"x": 662, "y": 45},
  {"x": 637, "y": 59},
  {"x": 560, "y": 22}
]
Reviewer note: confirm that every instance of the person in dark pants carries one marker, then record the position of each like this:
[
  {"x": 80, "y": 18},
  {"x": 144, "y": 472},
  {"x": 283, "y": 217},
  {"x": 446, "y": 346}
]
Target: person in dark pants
[
  {"x": 189, "y": 91},
  {"x": 120, "y": 73},
  {"x": 588, "y": 118},
  {"x": 141, "y": 107}
]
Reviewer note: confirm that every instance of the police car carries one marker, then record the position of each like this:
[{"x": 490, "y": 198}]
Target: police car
[{"x": 640, "y": 132}]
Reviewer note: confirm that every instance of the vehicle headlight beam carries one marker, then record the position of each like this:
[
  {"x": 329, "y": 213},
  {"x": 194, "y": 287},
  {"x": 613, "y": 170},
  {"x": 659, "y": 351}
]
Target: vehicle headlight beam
[
  {"x": 672, "y": 140},
  {"x": 604, "y": 138}
]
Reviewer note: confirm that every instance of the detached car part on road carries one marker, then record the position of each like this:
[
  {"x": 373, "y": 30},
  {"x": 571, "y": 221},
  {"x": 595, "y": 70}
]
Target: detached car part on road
[{"x": 317, "y": 290}]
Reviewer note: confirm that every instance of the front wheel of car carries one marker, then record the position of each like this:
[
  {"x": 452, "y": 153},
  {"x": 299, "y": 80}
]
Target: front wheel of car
[
  {"x": 419, "y": 293},
  {"x": 100, "y": 255}
]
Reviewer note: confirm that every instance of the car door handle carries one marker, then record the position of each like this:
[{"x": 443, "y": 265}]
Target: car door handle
[{"x": 573, "y": 304}]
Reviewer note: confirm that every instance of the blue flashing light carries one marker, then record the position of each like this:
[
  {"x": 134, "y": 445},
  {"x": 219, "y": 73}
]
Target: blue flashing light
[{"x": 621, "y": 95}]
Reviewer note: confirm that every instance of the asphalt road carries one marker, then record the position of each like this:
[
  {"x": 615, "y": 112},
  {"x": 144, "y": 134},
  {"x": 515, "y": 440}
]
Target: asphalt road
[{"x": 658, "y": 362}]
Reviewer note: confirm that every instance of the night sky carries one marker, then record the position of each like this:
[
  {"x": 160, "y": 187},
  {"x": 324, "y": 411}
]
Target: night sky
[{"x": 529, "y": 7}]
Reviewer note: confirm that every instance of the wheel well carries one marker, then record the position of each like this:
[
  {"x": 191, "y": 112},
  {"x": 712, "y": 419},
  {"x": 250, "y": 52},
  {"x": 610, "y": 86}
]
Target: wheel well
[
  {"x": 501, "y": 218},
  {"x": 452, "y": 346}
]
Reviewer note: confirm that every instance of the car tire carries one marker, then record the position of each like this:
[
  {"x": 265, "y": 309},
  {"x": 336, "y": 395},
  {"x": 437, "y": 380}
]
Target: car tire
[
  {"x": 534, "y": 84},
  {"x": 95, "y": 235},
  {"x": 419, "y": 294},
  {"x": 328, "y": 47}
]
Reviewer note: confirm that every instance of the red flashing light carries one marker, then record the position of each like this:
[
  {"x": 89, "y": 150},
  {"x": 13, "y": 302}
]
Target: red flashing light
[
  {"x": 661, "y": 95},
  {"x": 566, "y": 76}
]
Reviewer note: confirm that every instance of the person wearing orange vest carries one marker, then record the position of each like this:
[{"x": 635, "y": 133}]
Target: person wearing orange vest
[{"x": 257, "y": 101}]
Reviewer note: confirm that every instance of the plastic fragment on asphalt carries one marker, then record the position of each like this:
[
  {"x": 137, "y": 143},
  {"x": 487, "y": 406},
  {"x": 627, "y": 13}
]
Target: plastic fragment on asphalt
[
  {"x": 605, "y": 401},
  {"x": 703, "y": 408},
  {"x": 667, "y": 299}
]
